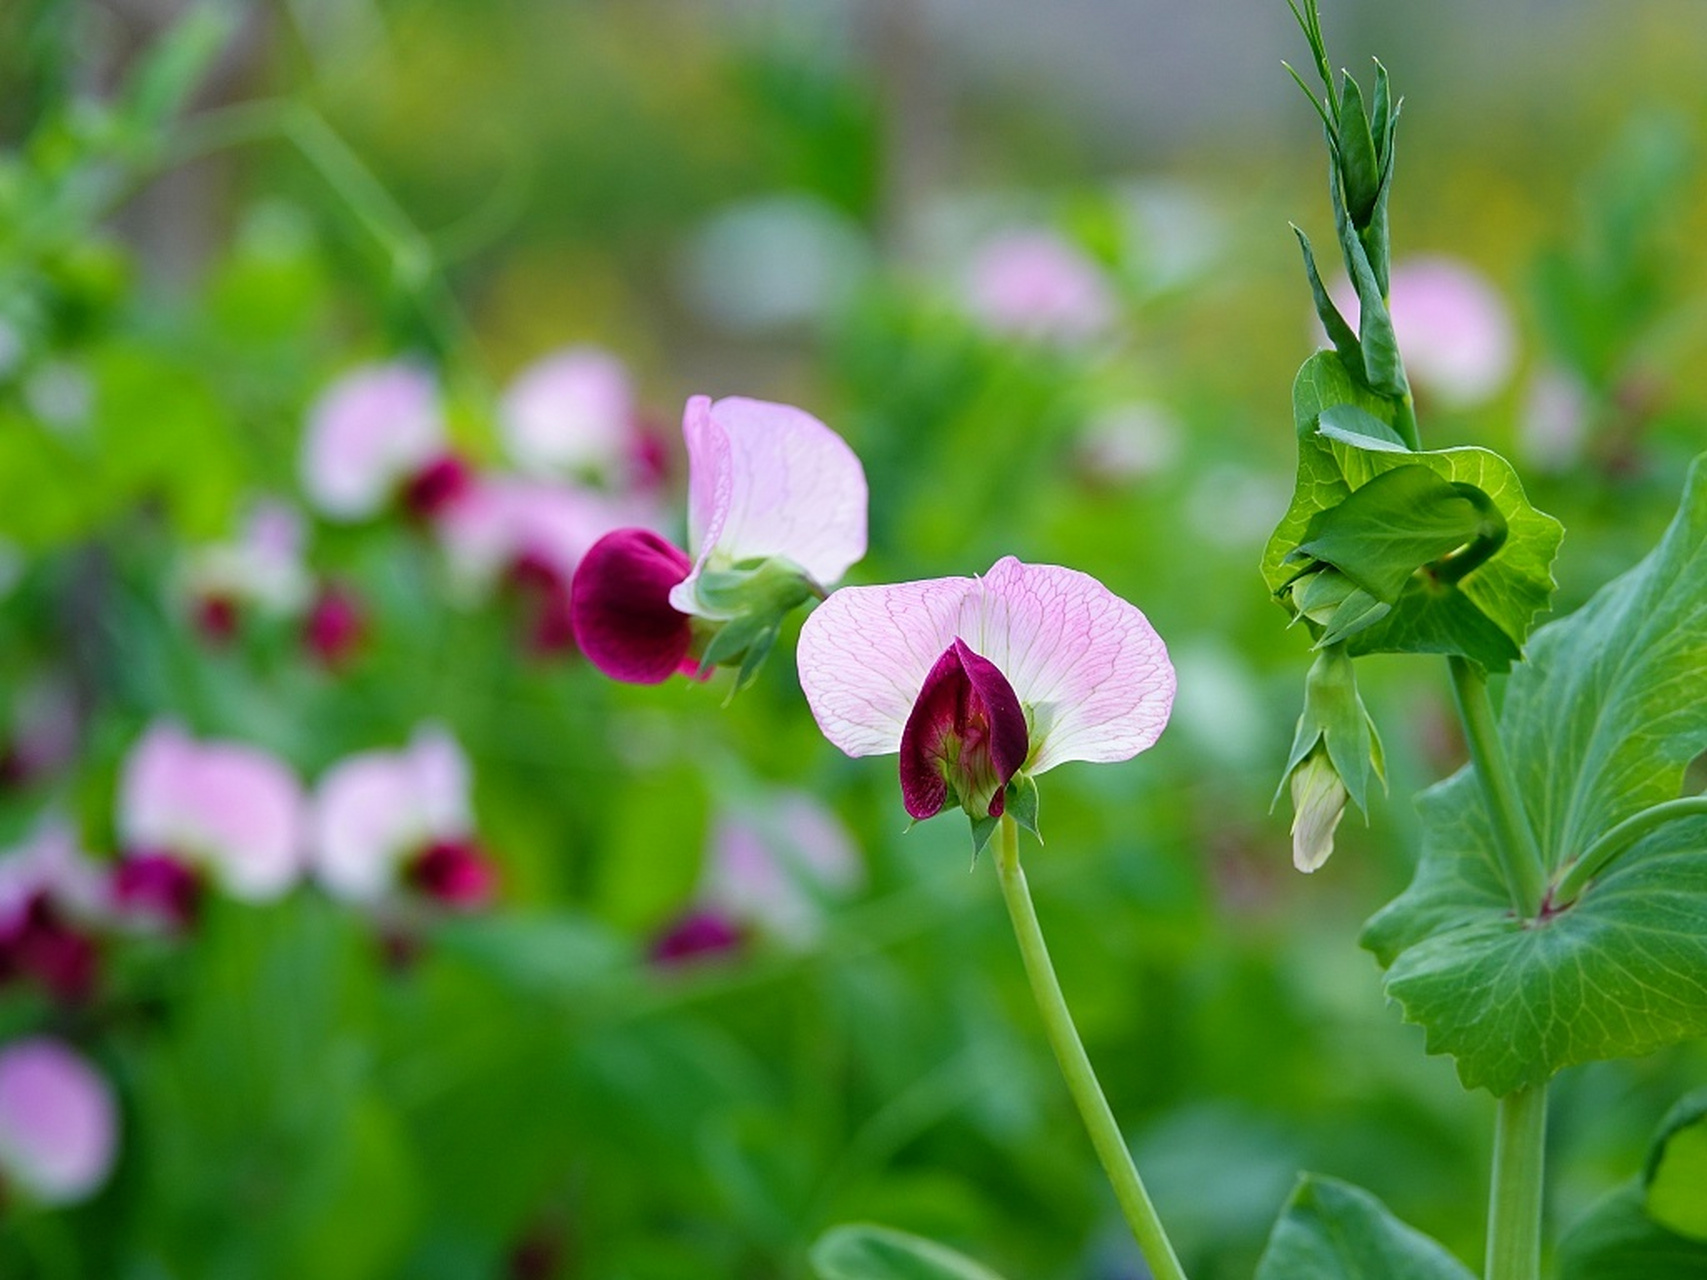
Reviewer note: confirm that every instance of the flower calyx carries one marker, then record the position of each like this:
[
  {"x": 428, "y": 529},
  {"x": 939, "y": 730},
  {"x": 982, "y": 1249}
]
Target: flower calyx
[{"x": 1335, "y": 752}]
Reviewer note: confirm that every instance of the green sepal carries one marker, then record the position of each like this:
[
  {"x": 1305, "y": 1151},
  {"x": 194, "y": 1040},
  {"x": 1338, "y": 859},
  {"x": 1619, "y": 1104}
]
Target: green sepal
[
  {"x": 740, "y": 610},
  {"x": 1338, "y": 331},
  {"x": 865, "y": 1251},
  {"x": 1331, "y": 1230},
  {"x": 1021, "y": 803},
  {"x": 982, "y": 830},
  {"x": 1359, "y": 167},
  {"x": 1383, "y": 369},
  {"x": 1334, "y": 715}
]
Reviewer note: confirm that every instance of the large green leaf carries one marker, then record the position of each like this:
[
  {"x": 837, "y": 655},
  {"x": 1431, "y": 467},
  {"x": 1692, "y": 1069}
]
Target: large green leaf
[
  {"x": 1598, "y": 725},
  {"x": 1618, "y": 1241},
  {"x": 862, "y": 1251},
  {"x": 1331, "y": 1230},
  {"x": 1346, "y": 440}
]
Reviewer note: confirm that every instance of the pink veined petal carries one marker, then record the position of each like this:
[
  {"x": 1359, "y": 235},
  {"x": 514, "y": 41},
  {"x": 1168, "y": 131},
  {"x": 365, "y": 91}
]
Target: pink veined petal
[
  {"x": 1088, "y": 667},
  {"x": 367, "y": 433},
  {"x": 1090, "y": 671},
  {"x": 864, "y": 654},
  {"x": 58, "y": 1122},
  {"x": 569, "y": 412},
  {"x": 770, "y": 480}
]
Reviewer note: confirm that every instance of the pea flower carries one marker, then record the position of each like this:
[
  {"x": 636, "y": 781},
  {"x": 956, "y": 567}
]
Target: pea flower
[
  {"x": 979, "y": 682},
  {"x": 1335, "y": 752},
  {"x": 193, "y": 813},
  {"x": 776, "y": 512},
  {"x": 1454, "y": 330},
  {"x": 261, "y": 569},
  {"x": 389, "y": 820},
  {"x": 531, "y": 535},
  {"x": 58, "y": 1122},
  {"x": 375, "y": 437},
  {"x": 572, "y": 415},
  {"x": 50, "y": 895},
  {"x": 1033, "y": 284}
]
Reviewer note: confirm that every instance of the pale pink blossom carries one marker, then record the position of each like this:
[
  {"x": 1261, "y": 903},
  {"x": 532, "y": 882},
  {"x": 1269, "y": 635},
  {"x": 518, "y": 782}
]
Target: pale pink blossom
[
  {"x": 1455, "y": 332},
  {"x": 226, "y": 810},
  {"x": 263, "y": 567},
  {"x": 374, "y": 435},
  {"x": 1035, "y": 284},
  {"x": 977, "y": 680},
  {"x": 769, "y": 486},
  {"x": 508, "y": 523},
  {"x": 58, "y": 1123},
  {"x": 388, "y": 820},
  {"x": 572, "y": 414},
  {"x": 1553, "y": 425},
  {"x": 776, "y": 866},
  {"x": 51, "y": 897}
]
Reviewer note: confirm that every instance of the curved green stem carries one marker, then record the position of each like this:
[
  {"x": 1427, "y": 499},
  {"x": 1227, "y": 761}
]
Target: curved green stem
[
  {"x": 1081, "y": 1080},
  {"x": 1514, "y": 840},
  {"x": 1603, "y": 851},
  {"x": 1514, "y": 1205}
]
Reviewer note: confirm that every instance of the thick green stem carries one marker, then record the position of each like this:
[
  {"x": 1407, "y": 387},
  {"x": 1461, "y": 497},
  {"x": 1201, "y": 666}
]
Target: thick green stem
[
  {"x": 1514, "y": 1205},
  {"x": 1603, "y": 851},
  {"x": 1514, "y": 840},
  {"x": 1094, "y": 1110}
]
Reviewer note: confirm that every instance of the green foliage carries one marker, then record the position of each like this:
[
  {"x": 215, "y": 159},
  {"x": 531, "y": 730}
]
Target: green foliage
[
  {"x": 1677, "y": 1170},
  {"x": 1599, "y": 724},
  {"x": 1417, "y": 591},
  {"x": 860, "y": 1251},
  {"x": 1331, "y": 1230}
]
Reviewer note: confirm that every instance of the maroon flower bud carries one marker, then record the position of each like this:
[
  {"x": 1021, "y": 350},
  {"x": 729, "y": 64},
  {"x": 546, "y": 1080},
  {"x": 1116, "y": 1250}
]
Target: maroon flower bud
[
  {"x": 966, "y": 736},
  {"x": 437, "y": 487},
  {"x": 455, "y": 873},
  {"x": 621, "y": 612},
  {"x": 334, "y": 626},
  {"x": 158, "y": 887},
  {"x": 696, "y": 936}
]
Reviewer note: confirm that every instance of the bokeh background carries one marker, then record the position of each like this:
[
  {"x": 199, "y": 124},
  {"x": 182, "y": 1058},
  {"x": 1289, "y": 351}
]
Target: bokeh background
[{"x": 626, "y": 1061}]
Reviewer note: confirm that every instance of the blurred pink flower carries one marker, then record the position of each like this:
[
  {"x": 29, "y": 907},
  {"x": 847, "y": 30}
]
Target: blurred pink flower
[
  {"x": 58, "y": 1122},
  {"x": 532, "y": 534},
  {"x": 50, "y": 896},
  {"x": 571, "y": 415},
  {"x": 766, "y": 483},
  {"x": 1455, "y": 332},
  {"x": 697, "y": 935},
  {"x": 1035, "y": 284},
  {"x": 222, "y": 810},
  {"x": 375, "y": 437},
  {"x": 334, "y": 627},
  {"x": 975, "y": 680},
  {"x": 1553, "y": 425},
  {"x": 263, "y": 569},
  {"x": 775, "y": 867},
  {"x": 387, "y": 820}
]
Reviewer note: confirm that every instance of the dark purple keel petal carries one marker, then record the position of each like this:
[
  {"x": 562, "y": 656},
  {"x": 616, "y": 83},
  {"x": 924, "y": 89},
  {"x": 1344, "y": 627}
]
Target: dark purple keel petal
[
  {"x": 966, "y": 731},
  {"x": 620, "y": 607}
]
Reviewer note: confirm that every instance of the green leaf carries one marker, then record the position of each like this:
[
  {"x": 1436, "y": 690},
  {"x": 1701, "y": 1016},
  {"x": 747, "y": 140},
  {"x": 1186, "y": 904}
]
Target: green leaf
[
  {"x": 172, "y": 70},
  {"x": 863, "y": 1251},
  {"x": 1360, "y": 170},
  {"x": 1346, "y": 441},
  {"x": 1677, "y": 1170},
  {"x": 1338, "y": 331},
  {"x": 1618, "y": 1241},
  {"x": 1598, "y": 725},
  {"x": 1399, "y": 522},
  {"x": 1331, "y": 1230}
]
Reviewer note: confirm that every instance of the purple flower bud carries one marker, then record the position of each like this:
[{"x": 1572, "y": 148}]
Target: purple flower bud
[
  {"x": 621, "y": 612},
  {"x": 966, "y": 736}
]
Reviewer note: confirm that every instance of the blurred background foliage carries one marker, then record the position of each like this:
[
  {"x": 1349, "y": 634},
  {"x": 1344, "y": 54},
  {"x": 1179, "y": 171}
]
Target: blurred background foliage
[{"x": 209, "y": 214}]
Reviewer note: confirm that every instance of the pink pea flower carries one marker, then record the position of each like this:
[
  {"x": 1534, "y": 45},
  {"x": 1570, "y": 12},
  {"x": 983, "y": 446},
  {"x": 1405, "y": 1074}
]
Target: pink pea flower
[
  {"x": 572, "y": 415},
  {"x": 1036, "y": 285},
  {"x": 385, "y": 821},
  {"x": 1454, "y": 330},
  {"x": 58, "y": 1122},
  {"x": 262, "y": 569},
  {"x": 50, "y": 897},
  {"x": 775, "y": 868},
  {"x": 978, "y": 681},
  {"x": 776, "y": 511},
  {"x": 532, "y": 535},
  {"x": 377, "y": 436},
  {"x": 334, "y": 627},
  {"x": 193, "y": 812}
]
